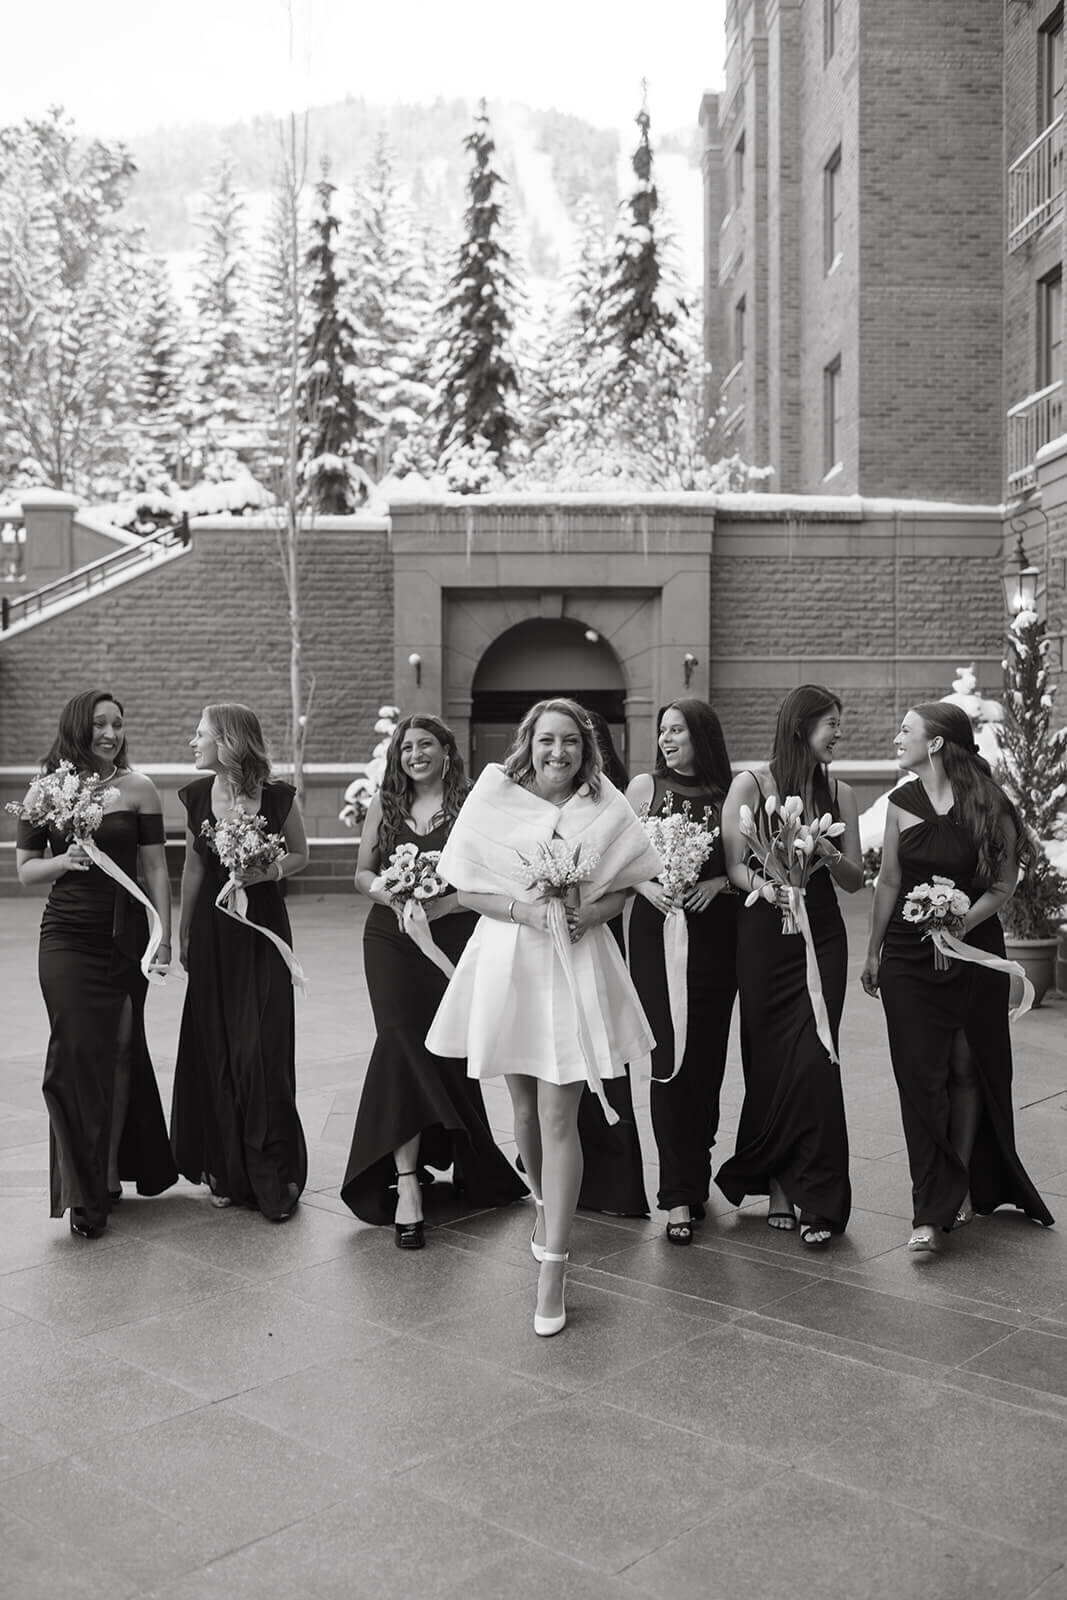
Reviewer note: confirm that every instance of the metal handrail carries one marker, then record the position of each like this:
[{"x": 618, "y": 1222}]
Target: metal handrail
[{"x": 92, "y": 576}]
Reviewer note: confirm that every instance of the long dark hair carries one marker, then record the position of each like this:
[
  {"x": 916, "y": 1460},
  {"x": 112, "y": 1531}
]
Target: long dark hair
[
  {"x": 518, "y": 763},
  {"x": 711, "y": 761},
  {"x": 980, "y": 802},
  {"x": 74, "y": 740},
  {"x": 614, "y": 766},
  {"x": 398, "y": 792},
  {"x": 792, "y": 764}
]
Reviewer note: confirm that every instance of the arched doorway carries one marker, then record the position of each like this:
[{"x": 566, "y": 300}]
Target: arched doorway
[{"x": 535, "y": 659}]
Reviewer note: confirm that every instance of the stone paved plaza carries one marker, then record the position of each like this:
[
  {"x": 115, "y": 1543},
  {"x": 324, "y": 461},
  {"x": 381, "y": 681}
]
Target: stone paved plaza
[{"x": 203, "y": 1405}]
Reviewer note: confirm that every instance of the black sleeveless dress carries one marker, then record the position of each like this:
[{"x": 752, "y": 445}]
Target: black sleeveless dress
[
  {"x": 92, "y": 937},
  {"x": 792, "y": 1125},
  {"x": 926, "y": 1010},
  {"x": 234, "y": 1120},
  {"x": 685, "y": 1112},
  {"x": 408, "y": 1091}
]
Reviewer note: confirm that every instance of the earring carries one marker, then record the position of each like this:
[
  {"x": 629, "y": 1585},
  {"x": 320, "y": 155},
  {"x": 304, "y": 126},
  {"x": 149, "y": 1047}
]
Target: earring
[{"x": 447, "y": 764}]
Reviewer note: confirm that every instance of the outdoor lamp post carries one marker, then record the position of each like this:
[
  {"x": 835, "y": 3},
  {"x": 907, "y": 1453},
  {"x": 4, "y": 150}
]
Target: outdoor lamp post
[{"x": 1020, "y": 581}]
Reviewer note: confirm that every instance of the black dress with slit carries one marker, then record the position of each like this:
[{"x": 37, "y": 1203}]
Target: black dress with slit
[
  {"x": 792, "y": 1125},
  {"x": 928, "y": 1012},
  {"x": 409, "y": 1091},
  {"x": 234, "y": 1122},
  {"x": 92, "y": 937},
  {"x": 685, "y": 1110}
]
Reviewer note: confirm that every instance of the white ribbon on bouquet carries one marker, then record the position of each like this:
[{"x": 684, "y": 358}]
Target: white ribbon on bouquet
[
  {"x": 798, "y": 906},
  {"x": 416, "y": 924},
  {"x": 561, "y": 941},
  {"x": 949, "y": 945},
  {"x": 232, "y": 899},
  {"x": 112, "y": 870}
]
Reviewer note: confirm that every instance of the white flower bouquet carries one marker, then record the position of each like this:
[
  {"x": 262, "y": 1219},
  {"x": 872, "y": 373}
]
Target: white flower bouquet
[
  {"x": 243, "y": 844},
  {"x": 67, "y": 800},
  {"x": 555, "y": 870},
  {"x": 411, "y": 875},
  {"x": 937, "y": 907},
  {"x": 790, "y": 853},
  {"x": 682, "y": 843}
]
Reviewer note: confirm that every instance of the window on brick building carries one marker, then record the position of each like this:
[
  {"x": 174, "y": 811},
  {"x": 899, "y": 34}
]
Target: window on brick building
[
  {"x": 831, "y": 416},
  {"x": 1050, "y": 52},
  {"x": 831, "y": 27},
  {"x": 831, "y": 202},
  {"x": 1050, "y": 328},
  {"x": 739, "y": 331},
  {"x": 739, "y": 171}
]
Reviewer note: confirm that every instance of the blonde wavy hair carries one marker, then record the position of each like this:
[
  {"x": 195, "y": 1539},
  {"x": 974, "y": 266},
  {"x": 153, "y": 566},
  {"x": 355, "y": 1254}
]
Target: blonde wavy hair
[
  {"x": 242, "y": 749},
  {"x": 518, "y": 763}
]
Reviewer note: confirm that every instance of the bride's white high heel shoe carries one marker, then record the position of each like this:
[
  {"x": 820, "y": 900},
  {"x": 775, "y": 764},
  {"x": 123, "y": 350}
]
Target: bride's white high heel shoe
[
  {"x": 545, "y": 1327},
  {"x": 537, "y": 1250}
]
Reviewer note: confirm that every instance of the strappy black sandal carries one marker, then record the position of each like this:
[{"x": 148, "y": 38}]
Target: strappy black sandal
[
  {"x": 679, "y": 1232},
  {"x": 409, "y": 1235}
]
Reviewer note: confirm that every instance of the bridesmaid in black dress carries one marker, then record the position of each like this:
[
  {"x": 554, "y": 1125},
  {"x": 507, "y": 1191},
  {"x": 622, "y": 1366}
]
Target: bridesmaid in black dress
[
  {"x": 792, "y": 1144},
  {"x": 234, "y": 1122},
  {"x": 692, "y": 767},
  {"x": 105, "y": 1117},
  {"x": 416, "y": 1109},
  {"x": 948, "y": 1029}
]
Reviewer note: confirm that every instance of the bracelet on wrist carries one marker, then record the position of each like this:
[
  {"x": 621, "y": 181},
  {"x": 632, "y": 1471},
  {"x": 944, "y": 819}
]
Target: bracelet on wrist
[{"x": 511, "y": 911}]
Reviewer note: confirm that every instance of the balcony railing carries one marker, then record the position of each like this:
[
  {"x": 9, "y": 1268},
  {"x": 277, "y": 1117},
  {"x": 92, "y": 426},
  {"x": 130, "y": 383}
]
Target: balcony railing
[
  {"x": 732, "y": 399},
  {"x": 1031, "y": 424},
  {"x": 1035, "y": 185}
]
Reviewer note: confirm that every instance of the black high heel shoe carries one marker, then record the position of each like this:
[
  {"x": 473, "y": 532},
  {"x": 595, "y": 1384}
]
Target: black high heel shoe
[
  {"x": 409, "y": 1235},
  {"x": 84, "y": 1230}
]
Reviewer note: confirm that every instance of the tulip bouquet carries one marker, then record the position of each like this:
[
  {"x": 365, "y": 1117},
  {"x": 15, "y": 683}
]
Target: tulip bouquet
[
  {"x": 67, "y": 800},
  {"x": 555, "y": 870},
  {"x": 790, "y": 852},
  {"x": 937, "y": 907},
  {"x": 682, "y": 843},
  {"x": 411, "y": 875}
]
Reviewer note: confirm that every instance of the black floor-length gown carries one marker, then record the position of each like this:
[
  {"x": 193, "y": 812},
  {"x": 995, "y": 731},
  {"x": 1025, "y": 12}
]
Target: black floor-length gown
[
  {"x": 792, "y": 1126},
  {"x": 234, "y": 1121},
  {"x": 409, "y": 1091},
  {"x": 926, "y": 1011},
  {"x": 92, "y": 938},
  {"x": 685, "y": 1111}
]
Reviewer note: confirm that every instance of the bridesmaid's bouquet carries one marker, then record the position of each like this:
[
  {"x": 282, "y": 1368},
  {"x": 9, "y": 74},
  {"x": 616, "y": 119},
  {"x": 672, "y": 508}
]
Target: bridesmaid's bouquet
[
  {"x": 67, "y": 800},
  {"x": 937, "y": 907},
  {"x": 411, "y": 875},
  {"x": 790, "y": 853},
  {"x": 682, "y": 843},
  {"x": 555, "y": 870},
  {"x": 243, "y": 844}
]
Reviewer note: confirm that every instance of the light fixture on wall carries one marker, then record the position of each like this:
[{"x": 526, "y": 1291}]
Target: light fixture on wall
[
  {"x": 1020, "y": 580},
  {"x": 591, "y": 636},
  {"x": 689, "y": 664},
  {"x": 415, "y": 660}
]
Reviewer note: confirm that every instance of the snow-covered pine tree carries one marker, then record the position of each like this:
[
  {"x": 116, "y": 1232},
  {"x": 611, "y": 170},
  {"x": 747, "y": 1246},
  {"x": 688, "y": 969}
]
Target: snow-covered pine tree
[
  {"x": 334, "y": 420},
  {"x": 1033, "y": 769},
  {"x": 159, "y": 383},
  {"x": 479, "y": 379},
  {"x": 389, "y": 307},
  {"x": 224, "y": 377},
  {"x": 562, "y": 405}
]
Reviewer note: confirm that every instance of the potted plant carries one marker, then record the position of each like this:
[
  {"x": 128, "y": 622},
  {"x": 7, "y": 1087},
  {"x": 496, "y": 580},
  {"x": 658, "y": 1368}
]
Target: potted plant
[{"x": 1033, "y": 769}]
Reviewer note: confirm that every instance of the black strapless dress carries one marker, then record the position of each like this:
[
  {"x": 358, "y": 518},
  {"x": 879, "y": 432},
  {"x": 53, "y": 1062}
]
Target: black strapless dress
[
  {"x": 409, "y": 1091},
  {"x": 685, "y": 1112},
  {"x": 792, "y": 1125},
  {"x": 234, "y": 1120},
  {"x": 926, "y": 1010},
  {"x": 92, "y": 938}
]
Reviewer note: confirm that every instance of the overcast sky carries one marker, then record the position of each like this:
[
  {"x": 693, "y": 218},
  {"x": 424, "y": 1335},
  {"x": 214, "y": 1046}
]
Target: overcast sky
[{"x": 124, "y": 66}]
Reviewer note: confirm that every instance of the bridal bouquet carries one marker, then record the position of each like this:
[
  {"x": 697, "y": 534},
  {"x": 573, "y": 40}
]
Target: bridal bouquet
[
  {"x": 682, "y": 843},
  {"x": 243, "y": 844},
  {"x": 789, "y": 854},
  {"x": 555, "y": 870},
  {"x": 411, "y": 875},
  {"x": 937, "y": 907},
  {"x": 67, "y": 800}
]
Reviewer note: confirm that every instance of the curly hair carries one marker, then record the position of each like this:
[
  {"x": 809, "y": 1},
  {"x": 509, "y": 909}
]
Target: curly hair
[
  {"x": 397, "y": 791},
  {"x": 74, "y": 739},
  {"x": 711, "y": 762},
  {"x": 792, "y": 761},
  {"x": 980, "y": 803},
  {"x": 518, "y": 763},
  {"x": 242, "y": 749}
]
